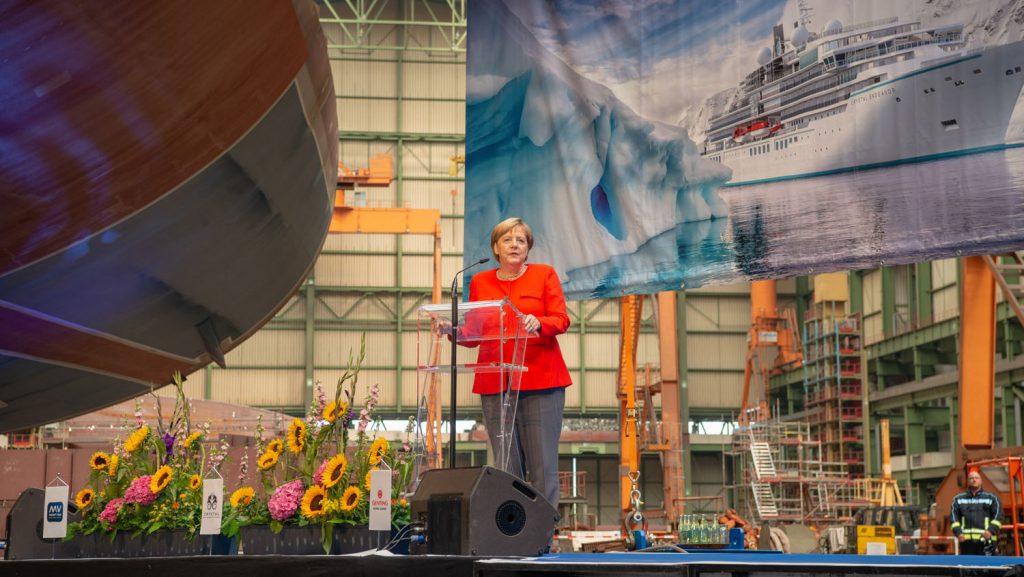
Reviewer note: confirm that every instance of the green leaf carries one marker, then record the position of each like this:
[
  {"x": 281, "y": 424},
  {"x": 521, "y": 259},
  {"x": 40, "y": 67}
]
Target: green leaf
[
  {"x": 154, "y": 527},
  {"x": 276, "y": 526}
]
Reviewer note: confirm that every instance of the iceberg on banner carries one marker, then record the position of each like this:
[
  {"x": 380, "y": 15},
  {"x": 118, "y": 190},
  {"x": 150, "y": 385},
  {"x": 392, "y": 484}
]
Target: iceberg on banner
[{"x": 594, "y": 179}]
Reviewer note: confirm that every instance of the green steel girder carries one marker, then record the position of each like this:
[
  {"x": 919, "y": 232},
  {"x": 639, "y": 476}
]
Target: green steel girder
[
  {"x": 356, "y": 19},
  {"x": 888, "y": 301},
  {"x": 856, "y": 282},
  {"x": 401, "y": 136},
  {"x": 923, "y": 336}
]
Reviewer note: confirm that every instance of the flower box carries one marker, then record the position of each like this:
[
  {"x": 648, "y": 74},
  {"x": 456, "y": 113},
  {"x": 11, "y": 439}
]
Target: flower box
[
  {"x": 295, "y": 540},
  {"x": 159, "y": 544}
]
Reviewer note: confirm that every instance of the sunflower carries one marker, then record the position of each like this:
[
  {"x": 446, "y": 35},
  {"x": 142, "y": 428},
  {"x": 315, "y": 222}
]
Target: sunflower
[
  {"x": 275, "y": 446},
  {"x": 296, "y": 436},
  {"x": 313, "y": 502},
  {"x": 335, "y": 471},
  {"x": 378, "y": 450},
  {"x": 242, "y": 496},
  {"x": 195, "y": 482},
  {"x": 160, "y": 479},
  {"x": 114, "y": 461},
  {"x": 267, "y": 460},
  {"x": 192, "y": 439},
  {"x": 350, "y": 499},
  {"x": 136, "y": 439},
  {"x": 99, "y": 461},
  {"x": 370, "y": 474},
  {"x": 330, "y": 413},
  {"x": 84, "y": 498}
]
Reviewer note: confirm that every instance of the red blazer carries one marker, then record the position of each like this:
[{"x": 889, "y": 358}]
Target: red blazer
[{"x": 539, "y": 293}]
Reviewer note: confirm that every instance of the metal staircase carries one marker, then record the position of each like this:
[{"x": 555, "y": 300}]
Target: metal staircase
[
  {"x": 764, "y": 470},
  {"x": 764, "y": 500},
  {"x": 764, "y": 465}
]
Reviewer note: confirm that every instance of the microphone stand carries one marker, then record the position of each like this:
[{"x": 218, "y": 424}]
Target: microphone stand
[{"x": 454, "y": 368}]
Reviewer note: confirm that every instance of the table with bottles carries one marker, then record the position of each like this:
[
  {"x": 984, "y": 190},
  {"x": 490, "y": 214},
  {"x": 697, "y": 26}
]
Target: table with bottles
[{"x": 702, "y": 531}]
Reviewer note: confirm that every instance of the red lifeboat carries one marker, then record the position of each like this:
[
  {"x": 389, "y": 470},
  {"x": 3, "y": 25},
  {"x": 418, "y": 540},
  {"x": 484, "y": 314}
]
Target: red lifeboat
[{"x": 755, "y": 129}]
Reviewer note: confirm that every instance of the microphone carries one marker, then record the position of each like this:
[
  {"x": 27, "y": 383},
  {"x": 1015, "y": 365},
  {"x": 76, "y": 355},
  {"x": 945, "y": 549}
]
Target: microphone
[{"x": 454, "y": 368}]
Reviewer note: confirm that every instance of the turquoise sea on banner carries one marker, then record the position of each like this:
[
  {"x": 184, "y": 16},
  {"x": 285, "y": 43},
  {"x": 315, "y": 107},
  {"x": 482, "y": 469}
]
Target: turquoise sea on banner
[
  {"x": 654, "y": 146},
  {"x": 785, "y": 229}
]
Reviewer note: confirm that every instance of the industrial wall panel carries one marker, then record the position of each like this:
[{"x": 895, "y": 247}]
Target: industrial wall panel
[
  {"x": 647, "y": 351},
  {"x": 295, "y": 308},
  {"x": 465, "y": 396},
  {"x": 333, "y": 348},
  {"x": 871, "y": 285},
  {"x": 602, "y": 311},
  {"x": 385, "y": 381},
  {"x": 413, "y": 351},
  {"x": 264, "y": 388},
  {"x": 715, "y": 389},
  {"x": 354, "y": 270},
  {"x": 355, "y": 307},
  {"x": 946, "y": 298},
  {"x": 714, "y": 313},
  {"x": 434, "y": 117},
  {"x": 269, "y": 347},
  {"x": 361, "y": 242},
  {"x": 428, "y": 80},
  {"x": 431, "y": 159},
  {"x": 874, "y": 330},
  {"x": 601, "y": 389},
  {"x": 357, "y": 153},
  {"x": 572, "y": 393},
  {"x": 363, "y": 78},
  {"x": 707, "y": 469},
  {"x": 602, "y": 350},
  {"x": 432, "y": 36},
  {"x": 410, "y": 394},
  {"x": 418, "y": 271},
  {"x": 368, "y": 116},
  {"x": 570, "y": 345},
  {"x": 716, "y": 351},
  {"x": 786, "y": 286},
  {"x": 735, "y": 288},
  {"x": 194, "y": 387}
]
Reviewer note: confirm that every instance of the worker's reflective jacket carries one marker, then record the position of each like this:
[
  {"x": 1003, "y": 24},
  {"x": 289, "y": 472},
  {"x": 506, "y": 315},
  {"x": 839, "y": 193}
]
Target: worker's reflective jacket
[{"x": 974, "y": 513}]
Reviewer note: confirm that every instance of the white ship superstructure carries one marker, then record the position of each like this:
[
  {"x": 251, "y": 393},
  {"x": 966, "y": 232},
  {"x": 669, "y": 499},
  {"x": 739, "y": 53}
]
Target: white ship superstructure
[{"x": 870, "y": 95}]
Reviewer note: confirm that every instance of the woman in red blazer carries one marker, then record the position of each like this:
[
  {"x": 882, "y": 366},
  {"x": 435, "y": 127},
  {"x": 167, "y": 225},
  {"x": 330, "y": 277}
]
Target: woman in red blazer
[{"x": 535, "y": 290}]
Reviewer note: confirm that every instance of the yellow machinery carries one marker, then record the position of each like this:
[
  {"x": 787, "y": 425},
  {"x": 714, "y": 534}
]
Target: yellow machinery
[{"x": 884, "y": 535}]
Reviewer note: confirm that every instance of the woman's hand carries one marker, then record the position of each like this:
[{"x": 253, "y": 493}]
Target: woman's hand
[{"x": 531, "y": 324}]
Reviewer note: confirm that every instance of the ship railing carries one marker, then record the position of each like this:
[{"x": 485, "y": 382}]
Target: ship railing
[{"x": 870, "y": 24}]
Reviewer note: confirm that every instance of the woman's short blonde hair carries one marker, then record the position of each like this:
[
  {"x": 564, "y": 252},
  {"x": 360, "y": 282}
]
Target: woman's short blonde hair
[{"x": 503, "y": 227}]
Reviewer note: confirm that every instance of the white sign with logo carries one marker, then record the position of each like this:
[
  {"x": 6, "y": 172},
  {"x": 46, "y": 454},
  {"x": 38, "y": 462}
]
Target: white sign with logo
[
  {"x": 55, "y": 512},
  {"x": 380, "y": 500},
  {"x": 213, "y": 506}
]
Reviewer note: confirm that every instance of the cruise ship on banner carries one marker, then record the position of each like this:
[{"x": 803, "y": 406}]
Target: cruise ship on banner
[{"x": 870, "y": 95}]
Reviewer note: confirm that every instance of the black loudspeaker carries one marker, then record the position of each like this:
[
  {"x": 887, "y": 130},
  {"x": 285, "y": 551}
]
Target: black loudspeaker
[
  {"x": 480, "y": 511},
  {"x": 25, "y": 530}
]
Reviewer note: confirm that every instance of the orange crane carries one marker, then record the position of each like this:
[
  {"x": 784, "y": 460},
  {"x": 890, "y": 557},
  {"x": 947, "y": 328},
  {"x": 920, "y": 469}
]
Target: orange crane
[
  {"x": 639, "y": 430},
  {"x": 769, "y": 329},
  {"x": 389, "y": 220}
]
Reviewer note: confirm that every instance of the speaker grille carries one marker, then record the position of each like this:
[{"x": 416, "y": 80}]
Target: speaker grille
[{"x": 511, "y": 518}]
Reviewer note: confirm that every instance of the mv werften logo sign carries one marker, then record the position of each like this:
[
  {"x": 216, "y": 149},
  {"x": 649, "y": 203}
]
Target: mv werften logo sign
[
  {"x": 54, "y": 512},
  {"x": 55, "y": 519}
]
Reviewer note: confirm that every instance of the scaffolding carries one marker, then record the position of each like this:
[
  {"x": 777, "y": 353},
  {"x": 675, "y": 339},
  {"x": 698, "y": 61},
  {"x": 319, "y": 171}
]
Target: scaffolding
[
  {"x": 834, "y": 384},
  {"x": 782, "y": 476}
]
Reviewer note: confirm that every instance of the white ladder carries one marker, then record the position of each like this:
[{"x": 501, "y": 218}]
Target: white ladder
[
  {"x": 764, "y": 465},
  {"x": 764, "y": 500}
]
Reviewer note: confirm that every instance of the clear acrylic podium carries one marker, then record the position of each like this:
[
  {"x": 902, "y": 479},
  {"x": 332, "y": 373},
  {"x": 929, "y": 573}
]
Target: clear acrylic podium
[{"x": 492, "y": 341}]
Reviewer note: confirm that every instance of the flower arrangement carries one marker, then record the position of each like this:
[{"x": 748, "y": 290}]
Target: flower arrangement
[
  {"x": 152, "y": 481},
  {"x": 319, "y": 473}
]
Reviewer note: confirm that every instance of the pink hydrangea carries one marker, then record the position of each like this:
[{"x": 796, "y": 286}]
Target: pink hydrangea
[
  {"x": 319, "y": 475},
  {"x": 286, "y": 500},
  {"x": 109, "y": 514},
  {"x": 139, "y": 491}
]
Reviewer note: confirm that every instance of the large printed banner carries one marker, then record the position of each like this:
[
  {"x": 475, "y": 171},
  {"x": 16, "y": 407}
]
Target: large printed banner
[{"x": 659, "y": 144}]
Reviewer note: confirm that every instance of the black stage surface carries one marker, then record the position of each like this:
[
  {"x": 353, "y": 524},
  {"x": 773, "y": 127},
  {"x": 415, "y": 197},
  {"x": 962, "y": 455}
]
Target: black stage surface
[{"x": 574, "y": 564}]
